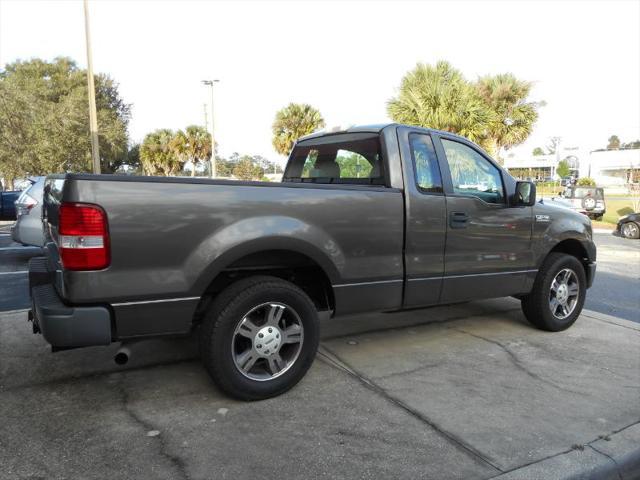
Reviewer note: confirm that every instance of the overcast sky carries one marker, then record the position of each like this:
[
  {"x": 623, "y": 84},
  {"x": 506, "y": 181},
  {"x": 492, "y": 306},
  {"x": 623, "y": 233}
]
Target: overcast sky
[{"x": 345, "y": 58}]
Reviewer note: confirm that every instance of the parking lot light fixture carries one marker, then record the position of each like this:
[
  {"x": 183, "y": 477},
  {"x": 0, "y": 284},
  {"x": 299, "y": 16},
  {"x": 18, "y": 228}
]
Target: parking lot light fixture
[{"x": 210, "y": 83}]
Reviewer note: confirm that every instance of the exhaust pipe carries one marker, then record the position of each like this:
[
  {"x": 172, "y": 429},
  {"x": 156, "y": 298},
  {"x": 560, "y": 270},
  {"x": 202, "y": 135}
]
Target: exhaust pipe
[{"x": 122, "y": 355}]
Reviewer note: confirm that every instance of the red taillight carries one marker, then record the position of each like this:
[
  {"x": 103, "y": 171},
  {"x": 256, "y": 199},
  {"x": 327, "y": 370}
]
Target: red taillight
[{"x": 83, "y": 237}]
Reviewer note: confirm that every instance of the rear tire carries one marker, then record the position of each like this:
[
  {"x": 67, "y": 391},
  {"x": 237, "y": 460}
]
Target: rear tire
[
  {"x": 558, "y": 293},
  {"x": 259, "y": 337}
]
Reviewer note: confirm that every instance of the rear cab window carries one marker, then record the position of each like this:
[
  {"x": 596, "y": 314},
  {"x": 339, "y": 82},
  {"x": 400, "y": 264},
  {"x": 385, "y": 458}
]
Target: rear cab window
[{"x": 354, "y": 159}]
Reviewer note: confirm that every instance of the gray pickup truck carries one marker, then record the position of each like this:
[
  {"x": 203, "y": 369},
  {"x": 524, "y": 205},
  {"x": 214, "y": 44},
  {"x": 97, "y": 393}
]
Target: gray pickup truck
[{"x": 369, "y": 219}]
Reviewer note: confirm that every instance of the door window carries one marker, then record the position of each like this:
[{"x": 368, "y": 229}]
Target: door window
[
  {"x": 472, "y": 174},
  {"x": 426, "y": 164}
]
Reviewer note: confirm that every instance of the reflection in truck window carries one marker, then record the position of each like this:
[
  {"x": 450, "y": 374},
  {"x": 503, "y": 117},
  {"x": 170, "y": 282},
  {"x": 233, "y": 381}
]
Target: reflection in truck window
[
  {"x": 426, "y": 163},
  {"x": 472, "y": 174}
]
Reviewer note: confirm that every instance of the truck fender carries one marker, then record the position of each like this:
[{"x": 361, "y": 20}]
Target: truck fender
[{"x": 256, "y": 234}]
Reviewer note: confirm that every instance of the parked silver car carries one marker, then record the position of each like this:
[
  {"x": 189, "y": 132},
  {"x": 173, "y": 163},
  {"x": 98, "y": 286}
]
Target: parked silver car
[{"x": 28, "y": 227}]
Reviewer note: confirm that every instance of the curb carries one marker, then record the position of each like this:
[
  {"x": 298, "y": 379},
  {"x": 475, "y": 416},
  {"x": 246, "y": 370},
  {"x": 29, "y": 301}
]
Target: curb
[
  {"x": 614, "y": 456},
  {"x": 603, "y": 317}
]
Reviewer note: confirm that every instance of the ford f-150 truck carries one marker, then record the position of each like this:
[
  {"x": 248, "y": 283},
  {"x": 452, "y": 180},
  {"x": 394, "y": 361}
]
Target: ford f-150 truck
[{"x": 369, "y": 219}]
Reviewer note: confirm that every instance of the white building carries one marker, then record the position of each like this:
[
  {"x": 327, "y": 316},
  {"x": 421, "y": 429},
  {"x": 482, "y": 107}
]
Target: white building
[
  {"x": 606, "y": 167},
  {"x": 612, "y": 167}
]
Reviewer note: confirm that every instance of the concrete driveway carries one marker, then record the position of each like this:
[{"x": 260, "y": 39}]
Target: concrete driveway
[{"x": 467, "y": 391}]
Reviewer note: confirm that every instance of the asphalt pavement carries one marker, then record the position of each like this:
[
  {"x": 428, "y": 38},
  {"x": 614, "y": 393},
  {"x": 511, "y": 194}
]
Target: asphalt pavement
[{"x": 616, "y": 290}]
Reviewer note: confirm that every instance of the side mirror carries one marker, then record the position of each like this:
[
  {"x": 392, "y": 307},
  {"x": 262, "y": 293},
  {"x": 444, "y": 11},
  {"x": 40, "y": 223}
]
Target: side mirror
[{"x": 525, "y": 195}]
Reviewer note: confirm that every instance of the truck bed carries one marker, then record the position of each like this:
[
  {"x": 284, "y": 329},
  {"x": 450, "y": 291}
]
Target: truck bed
[{"x": 172, "y": 236}]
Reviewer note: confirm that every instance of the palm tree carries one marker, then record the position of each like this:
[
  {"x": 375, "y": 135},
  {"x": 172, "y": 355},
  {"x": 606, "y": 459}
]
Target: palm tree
[
  {"x": 440, "y": 97},
  {"x": 293, "y": 122},
  {"x": 199, "y": 141},
  {"x": 513, "y": 116},
  {"x": 157, "y": 154}
]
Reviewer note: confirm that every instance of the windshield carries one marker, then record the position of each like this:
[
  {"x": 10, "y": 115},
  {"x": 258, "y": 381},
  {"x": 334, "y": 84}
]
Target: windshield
[{"x": 582, "y": 192}]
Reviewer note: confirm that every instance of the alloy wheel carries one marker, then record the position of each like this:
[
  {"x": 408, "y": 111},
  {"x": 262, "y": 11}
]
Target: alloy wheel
[
  {"x": 564, "y": 293},
  {"x": 267, "y": 341}
]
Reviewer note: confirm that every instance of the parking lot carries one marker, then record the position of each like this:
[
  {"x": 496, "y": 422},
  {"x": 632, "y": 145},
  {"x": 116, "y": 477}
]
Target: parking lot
[{"x": 465, "y": 391}]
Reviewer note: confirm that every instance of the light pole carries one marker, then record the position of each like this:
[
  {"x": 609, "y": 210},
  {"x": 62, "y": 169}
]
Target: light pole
[
  {"x": 93, "y": 116},
  {"x": 210, "y": 83}
]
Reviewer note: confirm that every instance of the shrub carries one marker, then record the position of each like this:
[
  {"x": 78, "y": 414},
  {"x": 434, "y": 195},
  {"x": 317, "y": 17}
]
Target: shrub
[{"x": 586, "y": 182}]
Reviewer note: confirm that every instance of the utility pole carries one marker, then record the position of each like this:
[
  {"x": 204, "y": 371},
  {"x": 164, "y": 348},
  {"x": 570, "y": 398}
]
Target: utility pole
[
  {"x": 93, "y": 116},
  {"x": 206, "y": 118},
  {"x": 210, "y": 83}
]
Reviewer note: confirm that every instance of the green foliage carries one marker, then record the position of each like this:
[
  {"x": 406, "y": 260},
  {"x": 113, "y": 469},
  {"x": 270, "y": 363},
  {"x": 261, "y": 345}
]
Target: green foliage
[
  {"x": 563, "y": 169},
  {"x": 192, "y": 145},
  {"x": 227, "y": 166},
  {"x": 538, "y": 151},
  {"x": 586, "y": 182},
  {"x": 292, "y": 122},
  {"x": 492, "y": 111},
  {"x": 353, "y": 166},
  {"x": 44, "y": 119},
  {"x": 440, "y": 97},
  {"x": 614, "y": 143},
  {"x": 247, "y": 169},
  {"x": 157, "y": 154},
  {"x": 513, "y": 117},
  {"x": 635, "y": 144},
  {"x": 165, "y": 152}
]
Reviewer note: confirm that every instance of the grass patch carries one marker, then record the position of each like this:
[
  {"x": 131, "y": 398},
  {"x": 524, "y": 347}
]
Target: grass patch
[{"x": 616, "y": 209}]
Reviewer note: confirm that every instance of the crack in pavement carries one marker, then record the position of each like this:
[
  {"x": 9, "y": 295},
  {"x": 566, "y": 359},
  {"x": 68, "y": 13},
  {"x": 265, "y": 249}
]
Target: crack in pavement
[
  {"x": 335, "y": 361},
  {"x": 515, "y": 360},
  {"x": 176, "y": 461},
  {"x": 409, "y": 372},
  {"x": 574, "y": 447},
  {"x": 610, "y": 458}
]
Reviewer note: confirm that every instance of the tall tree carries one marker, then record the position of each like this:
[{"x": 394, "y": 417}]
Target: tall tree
[
  {"x": 614, "y": 143},
  {"x": 494, "y": 111},
  {"x": 513, "y": 115},
  {"x": 247, "y": 169},
  {"x": 158, "y": 155},
  {"x": 192, "y": 145},
  {"x": 440, "y": 97},
  {"x": 292, "y": 122},
  {"x": 563, "y": 169},
  {"x": 44, "y": 121}
]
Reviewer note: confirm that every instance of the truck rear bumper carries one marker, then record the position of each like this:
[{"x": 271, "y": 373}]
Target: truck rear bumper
[{"x": 61, "y": 325}]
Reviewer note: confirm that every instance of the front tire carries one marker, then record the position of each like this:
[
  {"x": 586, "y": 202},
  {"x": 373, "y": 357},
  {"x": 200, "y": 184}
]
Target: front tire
[
  {"x": 259, "y": 337},
  {"x": 558, "y": 293},
  {"x": 630, "y": 230}
]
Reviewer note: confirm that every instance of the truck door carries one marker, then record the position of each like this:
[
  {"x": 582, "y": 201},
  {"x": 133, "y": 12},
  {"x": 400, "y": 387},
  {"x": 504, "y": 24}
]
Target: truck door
[
  {"x": 425, "y": 213},
  {"x": 488, "y": 247}
]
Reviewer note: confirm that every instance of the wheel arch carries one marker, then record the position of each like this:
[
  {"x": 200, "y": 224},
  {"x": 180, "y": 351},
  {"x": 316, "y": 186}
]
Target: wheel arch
[
  {"x": 575, "y": 248},
  {"x": 289, "y": 259}
]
